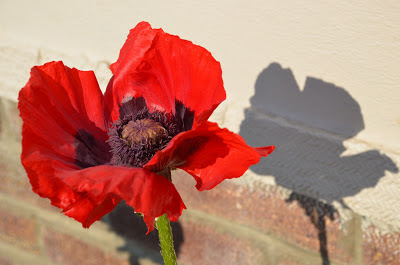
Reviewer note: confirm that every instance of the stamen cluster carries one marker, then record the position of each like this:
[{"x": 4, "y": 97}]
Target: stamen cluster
[{"x": 136, "y": 137}]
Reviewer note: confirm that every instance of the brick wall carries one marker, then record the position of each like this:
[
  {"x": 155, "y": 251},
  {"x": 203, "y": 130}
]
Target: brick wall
[{"x": 239, "y": 222}]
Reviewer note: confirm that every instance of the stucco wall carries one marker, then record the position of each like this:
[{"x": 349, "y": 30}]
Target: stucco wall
[
  {"x": 353, "y": 45},
  {"x": 319, "y": 79}
]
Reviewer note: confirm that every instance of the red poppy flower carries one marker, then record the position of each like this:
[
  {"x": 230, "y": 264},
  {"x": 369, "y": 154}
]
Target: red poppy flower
[{"x": 86, "y": 151}]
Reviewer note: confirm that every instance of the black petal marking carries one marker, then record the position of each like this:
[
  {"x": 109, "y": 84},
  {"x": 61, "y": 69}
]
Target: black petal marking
[
  {"x": 90, "y": 151},
  {"x": 131, "y": 106},
  {"x": 184, "y": 116}
]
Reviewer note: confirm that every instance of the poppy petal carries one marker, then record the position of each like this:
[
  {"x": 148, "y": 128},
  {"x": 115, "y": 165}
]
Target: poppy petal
[
  {"x": 165, "y": 69},
  {"x": 147, "y": 192},
  {"x": 210, "y": 154},
  {"x": 177, "y": 70},
  {"x": 138, "y": 42},
  {"x": 55, "y": 103},
  {"x": 71, "y": 96},
  {"x": 88, "y": 194},
  {"x": 265, "y": 151}
]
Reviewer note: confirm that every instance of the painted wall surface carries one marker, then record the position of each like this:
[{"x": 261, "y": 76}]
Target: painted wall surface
[{"x": 319, "y": 79}]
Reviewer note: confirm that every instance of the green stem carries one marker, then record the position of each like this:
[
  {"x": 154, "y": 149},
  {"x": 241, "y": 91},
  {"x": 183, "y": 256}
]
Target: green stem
[
  {"x": 166, "y": 241},
  {"x": 165, "y": 232}
]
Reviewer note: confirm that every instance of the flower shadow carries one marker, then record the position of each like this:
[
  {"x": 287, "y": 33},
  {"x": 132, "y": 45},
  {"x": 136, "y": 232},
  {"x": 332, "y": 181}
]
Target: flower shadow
[
  {"x": 310, "y": 164},
  {"x": 125, "y": 222}
]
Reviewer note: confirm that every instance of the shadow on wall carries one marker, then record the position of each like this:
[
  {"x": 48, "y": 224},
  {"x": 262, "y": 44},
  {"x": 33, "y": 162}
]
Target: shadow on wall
[
  {"x": 125, "y": 222},
  {"x": 313, "y": 167},
  {"x": 302, "y": 162}
]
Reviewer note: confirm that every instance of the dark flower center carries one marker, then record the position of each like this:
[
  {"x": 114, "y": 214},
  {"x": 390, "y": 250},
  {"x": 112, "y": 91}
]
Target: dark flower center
[
  {"x": 139, "y": 134},
  {"x": 135, "y": 137}
]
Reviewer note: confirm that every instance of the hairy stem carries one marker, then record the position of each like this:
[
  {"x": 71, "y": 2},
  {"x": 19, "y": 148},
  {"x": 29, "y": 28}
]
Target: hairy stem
[
  {"x": 166, "y": 241},
  {"x": 165, "y": 232}
]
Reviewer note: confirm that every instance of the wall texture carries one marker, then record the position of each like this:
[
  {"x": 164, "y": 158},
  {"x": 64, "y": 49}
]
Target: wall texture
[{"x": 317, "y": 79}]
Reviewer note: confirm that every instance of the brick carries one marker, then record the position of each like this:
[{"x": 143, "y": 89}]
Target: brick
[
  {"x": 19, "y": 231},
  {"x": 5, "y": 262},
  {"x": 267, "y": 210},
  {"x": 64, "y": 249},
  {"x": 20, "y": 189},
  {"x": 381, "y": 248},
  {"x": 195, "y": 241},
  {"x": 287, "y": 261},
  {"x": 204, "y": 244}
]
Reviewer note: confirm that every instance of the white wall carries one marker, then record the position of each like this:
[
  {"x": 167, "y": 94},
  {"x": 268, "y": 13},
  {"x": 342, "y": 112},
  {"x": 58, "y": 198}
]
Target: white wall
[{"x": 326, "y": 69}]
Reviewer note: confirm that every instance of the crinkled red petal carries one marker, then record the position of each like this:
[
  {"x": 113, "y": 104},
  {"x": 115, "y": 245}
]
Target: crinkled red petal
[
  {"x": 170, "y": 69},
  {"x": 265, "y": 151},
  {"x": 88, "y": 194},
  {"x": 147, "y": 192},
  {"x": 55, "y": 103},
  {"x": 175, "y": 69},
  {"x": 47, "y": 176},
  {"x": 138, "y": 42},
  {"x": 210, "y": 154}
]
